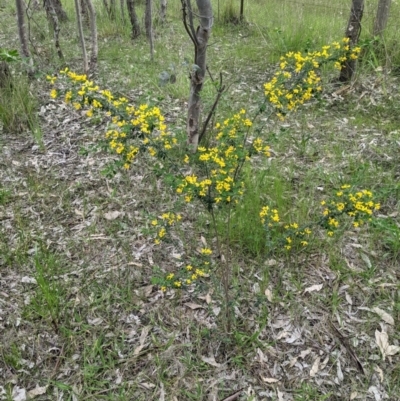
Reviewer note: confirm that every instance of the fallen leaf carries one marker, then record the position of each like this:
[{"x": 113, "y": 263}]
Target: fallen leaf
[
  {"x": 382, "y": 341},
  {"x": 316, "y": 287},
  {"x": 37, "y": 391},
  {"x": 18, "y": 394},
  {"x": 268, "y": 294},
  {"x": 96, "y": 321},
  {"x": 366, "y": 259},
  {"x": 211, "y": 361},
  {"x": 339, "y": 371},
  {"x": 28, "y": 280},
  {"x": 379, "y": 372},
  {"x": 315, "y": 367},
  {"x": 208, "y": 298},
  {"x": 270, "y": 380},
  {"x": 142, "y": 339},
  {"x": 193, "y": 306},
  {"x": 384, "y": 315},
  {"x": 112, "y": 215}
]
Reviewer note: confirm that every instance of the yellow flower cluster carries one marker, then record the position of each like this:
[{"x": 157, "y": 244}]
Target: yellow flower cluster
[
  {"x": 358, "y": 205},
  {"x": 191, "y": 271},
  {"x": 297, "y": 79},
  {"x": 222, "y": 163},
  {"x": 131, "y": 130},
  {"x": 282, "y": 236},
  {"x": 162, "y": 225}
]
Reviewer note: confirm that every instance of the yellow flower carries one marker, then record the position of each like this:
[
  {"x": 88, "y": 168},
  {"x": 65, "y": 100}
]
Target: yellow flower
[
  {"x": 163, "y": 288},
  {"x": 89, "y": 113},
  {"x": 206, "y": 251},
  {"x": 170, "y": 276},
  {"x": 53, "y": 94}
]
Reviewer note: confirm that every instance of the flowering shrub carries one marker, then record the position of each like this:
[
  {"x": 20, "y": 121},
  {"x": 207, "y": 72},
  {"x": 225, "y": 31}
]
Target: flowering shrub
[
  {"x": 297, "y": 78},
  {"x": 283, "y": 236},
  {"x": 356, "y": 205},
  {"x": 213, "y": 174},
  {"x": 131, "y": 129},
  {"x": 221, "y": 163},
  {"x": 347, "y": 204}
]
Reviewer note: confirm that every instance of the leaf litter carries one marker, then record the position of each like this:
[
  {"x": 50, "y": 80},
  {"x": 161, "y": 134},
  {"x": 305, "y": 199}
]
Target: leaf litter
[{"x": 63, "y": 204}]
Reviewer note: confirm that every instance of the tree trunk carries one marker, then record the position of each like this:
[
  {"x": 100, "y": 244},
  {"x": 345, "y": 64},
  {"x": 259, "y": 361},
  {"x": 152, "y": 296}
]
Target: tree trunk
[
  {"x": 58, "y": 8},
  {"x": 148, "y": 23},
  {"x": 133, "y": 18},
  {"x": 241, "y": 10},
  {"x": 23, "y": 36},
  {"x": 52, "y": 17},
  {"x": 163, "y": 11},
  {"x": 81, "y": 37},
  {"x": 352, "y": 32},
  {"x": 22, "y": 29},
  {"x": 84, "y": 12},
  {"x": 200, "y": 38},
  {"x": 93, "y": 33},
  {"x": 382, "y": 16}
]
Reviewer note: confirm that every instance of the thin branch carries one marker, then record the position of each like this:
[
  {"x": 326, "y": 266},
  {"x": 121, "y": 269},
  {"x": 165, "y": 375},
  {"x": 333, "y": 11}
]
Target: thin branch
[
  {"x": 189, "y": 32},
  {"x": 221, "y": 90},
  {"x": 191, "y": 24}
]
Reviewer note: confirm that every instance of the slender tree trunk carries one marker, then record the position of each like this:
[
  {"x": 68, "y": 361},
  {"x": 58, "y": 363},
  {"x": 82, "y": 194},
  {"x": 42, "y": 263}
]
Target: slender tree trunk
[
  {"x": 93, "y": 33},
  {"x": 163, "y": 11},
  {"x": 133, "y": 18},
  {"x": 84, "y": 12},
  {"x": 382, "y": 16},
  {"x": 352, "y": 32},
  {"x": 241, "y": 10},
  {"x": 81, "y": 37},
  {"x": 58, "y": 8},
  {"x": 23, "y": 36},
  {"x": 53, "y": 20},
  {"x": 148, "y": 23},
  {"x": 23, "y": 40},
  {"x": 200, "y": 38}
]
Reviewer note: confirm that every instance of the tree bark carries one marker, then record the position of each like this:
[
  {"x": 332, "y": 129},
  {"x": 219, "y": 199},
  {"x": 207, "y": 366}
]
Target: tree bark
[
  {"x": 93, "y": 33},
  {"x": 163, "y": 11},
  {"x": 133, "y": 18},
  {"x": 200, "y": 38},
  {"x": 23, "y": 36},
  {"x": 382, "y": 16},
  {"x": 352, "y": 32},
  {"x": 23, "y": 40},
  {"x": 52, "y": 17},
  {"x": 81, "y": 37},
  {"x": 148, "y": 23},
  {"x": 58, "y": 8}
]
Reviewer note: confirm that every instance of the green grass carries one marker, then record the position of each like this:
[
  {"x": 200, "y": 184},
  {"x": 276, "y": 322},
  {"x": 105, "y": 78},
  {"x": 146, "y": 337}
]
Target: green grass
[{"x": 77, "y": 308}]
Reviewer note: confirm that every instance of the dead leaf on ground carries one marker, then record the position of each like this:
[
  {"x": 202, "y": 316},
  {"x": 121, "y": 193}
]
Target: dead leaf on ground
[
  {"x": 384, "y": 315},
  {"x": 382, "y": 340},
  {"x": 112, "y": 215}
]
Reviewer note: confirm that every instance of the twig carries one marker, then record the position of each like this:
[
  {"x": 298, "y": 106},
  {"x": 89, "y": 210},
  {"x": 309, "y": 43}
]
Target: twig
[
  {"x": 221, "y": 90},
  {"x": 233, "y": 396}
]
